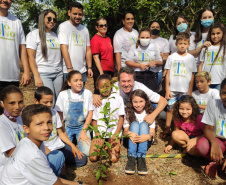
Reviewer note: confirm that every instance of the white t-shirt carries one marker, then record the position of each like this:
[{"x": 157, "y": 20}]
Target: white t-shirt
[
  {"x": 144, "y": 55},
  {"x": 28, "y": 165},
  {"x": 54, "y": 142},
  {"x": 140, "y": 118},
  {"x": 216, "y": 68},
  {"x": 122, "y": 41},
  {"x": 181, "y": 69},
  {"x": 163, "y": 46},
  {"x": 198, "y": 44},
  {"x": 53, "y": 62},
  {"x": 215, "y": 115},
  {"x": 77, "y": 39},
  {"x": 153, "y": 96},
  {"x": 10, "y": 135},
  {"x": 202, "y": 99},
  {"x": 173, "y": 48},
  {"x": 62, "y": 102},
  {"x": 116, "y": 102},
  {"x": 11, "y": 37}
]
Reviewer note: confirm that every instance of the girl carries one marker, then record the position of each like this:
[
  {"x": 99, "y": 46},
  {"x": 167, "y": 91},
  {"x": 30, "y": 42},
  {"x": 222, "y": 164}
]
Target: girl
[
  {"x": 145, "y": 58},
  {"x": 117, "y": 105},
  {"x": 212, "y": 58},
  {"x": 124, "y": 38},
  {"x": 75, "y": 107},
  {"x": 140, "y": 133},
  {"x": 188, "y": 125},
  {"x": 44, "y": 53},
  {"x": 180, "y": 25},
  {"x": 102, "y": 52},
  {"x": 213, "y": 145}
]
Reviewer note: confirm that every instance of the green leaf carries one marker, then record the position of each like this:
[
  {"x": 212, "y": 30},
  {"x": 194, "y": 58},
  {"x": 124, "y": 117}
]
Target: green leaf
[
  {"x": 108, "y": 144},
  {"x": 103, "y": 168},
  {"x": 103, "y": 175},
  {"x": 95, "y": 153},
  {"x": 100, "y": 182},
  {"x": 172, "y": 173},
  {"x": 98, "y": 174}
]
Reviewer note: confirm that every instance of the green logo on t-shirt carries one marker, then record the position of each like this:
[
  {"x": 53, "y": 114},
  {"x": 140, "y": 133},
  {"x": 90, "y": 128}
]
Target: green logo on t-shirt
[
  {"x": 133, "y": 40},
  {"x": 77, "y": 39},
  {"x": 6, "y": 33},
  {"x": 221, "y": 127},
  {"x": 52, "y": 44},
  {"x": 211, "y": 56},
  {"x": 179, "y": 69}
]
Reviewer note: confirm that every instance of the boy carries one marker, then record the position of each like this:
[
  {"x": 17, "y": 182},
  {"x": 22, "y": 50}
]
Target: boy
[
  {"x": 103, "y": 84},
  {"x": 180, "y": 68},
  {"x": 44, "y": 96},
  {"x": 204, "y": 93},
  {"x": 28, "y": 163}
]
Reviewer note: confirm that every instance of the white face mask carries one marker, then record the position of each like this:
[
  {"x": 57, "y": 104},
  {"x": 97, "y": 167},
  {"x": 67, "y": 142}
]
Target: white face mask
[{"x": 144, "y": 42}]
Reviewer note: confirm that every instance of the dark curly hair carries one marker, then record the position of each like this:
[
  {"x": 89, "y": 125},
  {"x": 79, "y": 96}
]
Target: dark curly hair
[
  {"x": 130, "y": 111},
  {"x": 194, "y": 105}
]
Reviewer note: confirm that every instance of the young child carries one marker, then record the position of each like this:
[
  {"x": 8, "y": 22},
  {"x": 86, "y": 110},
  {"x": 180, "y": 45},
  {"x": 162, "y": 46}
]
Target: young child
[
  {"x": 188, "y": 125},
  {"x": 103, "y": 84},
  {"x": 212, "y": 58},
  {"x": 140, "y": 133},
  {"x": 11, "y": 126},
  {"x": 75, "y": 107},
  {"x": 180, "y": 68},
  {"x": 145, "y": 58},
  {"x": 44, "y": 96},
  {"x": 28, "y": 163},
  {"x": 213, "y": 145},
  {"x": 204, "y": 93}
]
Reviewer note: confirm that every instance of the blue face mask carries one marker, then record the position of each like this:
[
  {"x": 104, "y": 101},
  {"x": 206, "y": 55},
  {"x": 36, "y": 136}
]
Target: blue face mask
[
  {"x": 207, "y": 22},
  {"x": 182, "y": 27}
]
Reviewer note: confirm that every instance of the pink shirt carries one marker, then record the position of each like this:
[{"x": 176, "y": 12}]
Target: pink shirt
[{"x": 191, "y": 128}]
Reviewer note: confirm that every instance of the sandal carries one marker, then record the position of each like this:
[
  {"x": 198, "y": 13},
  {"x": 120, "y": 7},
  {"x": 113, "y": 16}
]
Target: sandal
[{"x": 211, "y": 169}]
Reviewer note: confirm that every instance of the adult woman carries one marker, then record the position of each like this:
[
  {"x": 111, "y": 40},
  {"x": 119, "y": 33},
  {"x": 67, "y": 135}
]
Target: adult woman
[
  {"x": 44, "y": 53},
  {"x": 205, "y": 20},
  {"x": 124, "y": 38},
  {"x": 180, "y": 25},
  {"x": 161, "y": 43},
  {"x": 102, "y": 51}
]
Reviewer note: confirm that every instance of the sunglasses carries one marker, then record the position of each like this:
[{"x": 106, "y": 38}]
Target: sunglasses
[
  {"x": 102, "y": 25},
  {"x": 50, "y": 19}
]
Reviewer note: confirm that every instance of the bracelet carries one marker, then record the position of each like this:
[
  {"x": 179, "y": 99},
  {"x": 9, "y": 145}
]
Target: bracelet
[
  {"x": 90, "y": 68},
  {"x": 151, "y": 137},
  {"x": 69, "y": 67}
]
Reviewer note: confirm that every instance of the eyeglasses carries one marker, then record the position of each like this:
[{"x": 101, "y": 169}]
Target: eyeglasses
[
  {"x": 102, "y": 25},
  {"x": 50, "y": 19}
]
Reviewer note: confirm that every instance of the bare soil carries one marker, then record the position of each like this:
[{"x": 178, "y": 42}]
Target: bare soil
[{"x": 189, "y": 169}]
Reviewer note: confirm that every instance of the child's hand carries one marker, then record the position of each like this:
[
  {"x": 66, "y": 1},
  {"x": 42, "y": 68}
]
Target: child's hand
[
  {"x": 77, "y": 152},
  {"x": 207, "y": 44},
  {"x": 149, "y": 119},
  {"x": 143, "y": 67},
  {"x": 168, "y": 95},
  {"x": 168, "y": 148},
  {"x": 97, "y": 100},
  {"x": 132, "y": 136},
  {"x": 84, "y": 138},
  {"x": 216, "y": 152},
  {"x": 151, "y": 63},
  {"x": 142, "y": 138},
  {"x": 191, "y": 143}
]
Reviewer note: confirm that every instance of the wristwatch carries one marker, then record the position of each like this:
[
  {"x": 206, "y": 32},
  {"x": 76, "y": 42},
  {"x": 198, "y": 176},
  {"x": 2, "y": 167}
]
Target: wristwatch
[
  {"x": 151, "y": 137},
  {"x": 80, "y": 182},
  {"x": 90, "y": 68}
]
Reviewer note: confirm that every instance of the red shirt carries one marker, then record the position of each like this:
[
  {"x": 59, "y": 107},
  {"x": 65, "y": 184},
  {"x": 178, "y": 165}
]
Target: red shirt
[{"x": 103, "y": 47}]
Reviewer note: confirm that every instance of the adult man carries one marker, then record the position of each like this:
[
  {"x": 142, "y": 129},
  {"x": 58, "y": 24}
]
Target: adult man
[
  {"x": 75, "y": 42},
  {"x": 127, "y": 84},
  {"x": 12, "y": 47}
]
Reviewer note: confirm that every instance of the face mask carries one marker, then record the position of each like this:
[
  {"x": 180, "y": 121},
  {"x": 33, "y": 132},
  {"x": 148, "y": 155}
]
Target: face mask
[
  {"x": 207, "y": 22},
  {"x": 182, "y": 27},
  {"x": 155, "y": 32},
  {"x": 144, "y": 42}
]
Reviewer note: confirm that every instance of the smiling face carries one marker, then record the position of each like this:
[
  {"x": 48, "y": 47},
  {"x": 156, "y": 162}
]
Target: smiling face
[
  {"x": 126, "y": 82},
  {"x": 202, "y": 84},
  {"x": 5, "y": 4},
  {"x": 40, "y": 128},
  {"x": 102, "y": 27},
  {"x": 76, "y": 83},
  {"x": 75, "y": 15},
  {"x": 216, "y": 36},
  {"x": 185, "y": 110},
  {"x": 128, "y": 22},
  {"x": 104, "y": 87},
  {"x": 138, "y": 104},
  {"x": 13, "y": 104},
  {"x": 50, "y": 24}
]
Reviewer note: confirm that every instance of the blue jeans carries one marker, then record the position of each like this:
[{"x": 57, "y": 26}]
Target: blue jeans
[
  {"x": 215, "y": 86},
  {"x": 56, "y": 161},
  {"x": 159, "y": 77},
  {"x": 71, "y": 159},
  {"x": 75, "y": 132},
  {"x": 138, "y": 149},
  {"x": 54, "y": 81}
]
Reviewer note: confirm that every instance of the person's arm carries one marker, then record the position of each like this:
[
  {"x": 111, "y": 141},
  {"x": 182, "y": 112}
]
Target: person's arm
[
  {"x": 47, "y": 150},
  {"x": 168, "y": 93},
  {"x": 215, "y": 151},
  {"x": 137, "y": 65},
  {"x": 9, "y": 152},
  {"x": 98, "y": 64},
  {"x": 33, "y": 66},
  {"x": 97, "y": 102},
  {"x": 171, "y": 143},
  {"x": 191, "y": 85},
  {"x": 200, "y": 67},
  {"x": 118, "y": 60},
  {"x": 165, "y": 56},
  {"x": 89, "y": 61},
  {"x": 202, "y": 107},
  {"x": 153, "y": 63},
  {"x": 66, "y": 56},
  {"x": 26, "y": 78},
  {"x": 197, "y": 51}
]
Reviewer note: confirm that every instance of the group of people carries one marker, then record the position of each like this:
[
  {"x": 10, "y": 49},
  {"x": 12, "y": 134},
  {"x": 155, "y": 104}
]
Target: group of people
[{"x": 37, "y": 145}]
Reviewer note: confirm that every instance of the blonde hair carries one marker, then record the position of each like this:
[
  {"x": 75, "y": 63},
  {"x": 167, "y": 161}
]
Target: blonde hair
[{"x": 204, "y": 74}]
